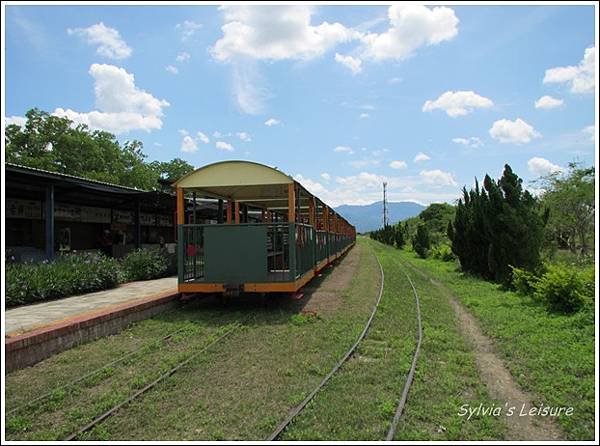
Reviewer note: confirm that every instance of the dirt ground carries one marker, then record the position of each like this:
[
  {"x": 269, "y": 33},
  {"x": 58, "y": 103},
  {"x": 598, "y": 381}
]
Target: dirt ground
[{"x": 497, "y": 377}]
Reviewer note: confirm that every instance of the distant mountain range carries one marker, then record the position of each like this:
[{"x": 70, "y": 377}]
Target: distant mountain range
[{"x": 370, "y": 217}]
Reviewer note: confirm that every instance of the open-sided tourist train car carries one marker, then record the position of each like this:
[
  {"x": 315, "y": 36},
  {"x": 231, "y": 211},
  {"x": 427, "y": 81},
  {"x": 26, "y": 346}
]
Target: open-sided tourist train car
[{"x": 271, "y": 234}]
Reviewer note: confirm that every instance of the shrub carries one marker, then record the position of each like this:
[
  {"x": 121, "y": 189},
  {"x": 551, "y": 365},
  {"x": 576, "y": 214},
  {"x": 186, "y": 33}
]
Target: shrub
[
  {"x": 524, "y": 281},
  {"x": 443, "y": 252},
  {"x": 67, "y": 275},
  {"x": 145, "y": 264},
  {"x": 421, "y": 241},
  {"x": 564, "y": 288}
]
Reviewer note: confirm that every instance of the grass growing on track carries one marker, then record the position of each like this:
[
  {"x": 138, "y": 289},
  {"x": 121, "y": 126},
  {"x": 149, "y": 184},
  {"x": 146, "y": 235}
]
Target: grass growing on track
[
  {"x": 241, "y": 388},
  {"x": 550, "y": 355},
  {"x": 360, "y": 401},
  {"x": 69, "y": 408},
  {"x": 245, "y": 386}
]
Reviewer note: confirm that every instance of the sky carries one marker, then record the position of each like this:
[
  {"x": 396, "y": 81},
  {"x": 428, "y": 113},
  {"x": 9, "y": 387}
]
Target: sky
[{"x": 341, "y": 97}]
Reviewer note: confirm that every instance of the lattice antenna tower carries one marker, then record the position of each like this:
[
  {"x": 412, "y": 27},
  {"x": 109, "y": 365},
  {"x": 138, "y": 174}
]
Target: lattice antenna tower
[{"x": 385, "y": 209}]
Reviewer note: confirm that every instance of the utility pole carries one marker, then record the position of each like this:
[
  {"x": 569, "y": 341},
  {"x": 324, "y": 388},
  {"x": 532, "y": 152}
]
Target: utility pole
[{"x": 385, "y": 215}]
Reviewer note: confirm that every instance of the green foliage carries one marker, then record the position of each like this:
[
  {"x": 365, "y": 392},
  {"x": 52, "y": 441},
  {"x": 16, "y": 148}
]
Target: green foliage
[
  {"x": 570, "y": 198},
  {"x": 562, "y": 288},
  {"x": 56, "y": 144},
  {"x": 443, "y": 252},
  {"x": 421, "y": 242},
  {"x": 524, "y": 281},
  {"x": 437, "y": 216},
  {"x": 497, "y": 227},
  {"x": 393, "y": 235},
  {"x": 68, "y": 275},
  {"x": 145, "y": 264}
]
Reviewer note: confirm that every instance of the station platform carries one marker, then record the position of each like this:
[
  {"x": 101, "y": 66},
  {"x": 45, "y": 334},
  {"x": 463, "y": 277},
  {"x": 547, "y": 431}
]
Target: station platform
[{"x": 35, "y": 332}]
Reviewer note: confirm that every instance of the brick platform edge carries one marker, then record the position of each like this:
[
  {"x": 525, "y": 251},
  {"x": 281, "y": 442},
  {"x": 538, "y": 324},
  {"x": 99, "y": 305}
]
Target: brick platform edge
[{"x": 31, "y": 347}]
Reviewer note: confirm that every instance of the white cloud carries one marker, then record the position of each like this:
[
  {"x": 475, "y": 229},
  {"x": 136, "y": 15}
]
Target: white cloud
[
  {"x": 343, "y": 149},
  {"x": 171, "y": 69},
  {"x": 458, "y": 103},
  {"x": 359, "y": 164},
  {"x": 187, "y": 29},
  {"x": 398, "y": 165},
  {"x": 369, "y": 107},
  {"x": 366, "y": 188},
  {"x": 244, "y": 136},
  {"x": 411, "y": 26},
  {"x": 247, "y": 90},
  {"x": 188, "y": 144},
  {"x": 183, "y": 56},
  {"x": 517, "y": 132},
  {"x": 472, "y": 141},
  {"x": 363, "y": 115},
  {"x": 109, "y": 41},
  {"x": 271, "y": 122},
  {"x": 222, "y": 145},
  {"x": 581, "y": 78},
  {"x": 541, "y": 166},
  {"x": 437, "y": 177},
  {"x": 326, "y": 176},
  {"x": 122, "y": 106},
  {"x": 183, "y": 132},
  {"x": 421, "y": 157},
  {"x": 394, "y": 80},
  {"x": 17, "y": 120},
  {"x": 590, "y": 130},
  {"x": 276, "y": 33},
  {"x": 548, "y": 102},
  {"x": 352, "y": 63},
  {"x": 202, "y": 137}
]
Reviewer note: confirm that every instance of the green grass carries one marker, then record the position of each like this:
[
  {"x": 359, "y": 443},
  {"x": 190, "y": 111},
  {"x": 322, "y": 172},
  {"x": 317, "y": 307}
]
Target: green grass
[
  {"x": 551, "y": 355},
  {"x": 360, "y": 401},
  {"x": 240, "y": 388}
]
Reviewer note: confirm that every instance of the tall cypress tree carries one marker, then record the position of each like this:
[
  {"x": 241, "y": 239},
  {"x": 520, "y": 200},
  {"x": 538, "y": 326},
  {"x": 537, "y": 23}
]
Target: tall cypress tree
[{"x": 496, "y": 227}]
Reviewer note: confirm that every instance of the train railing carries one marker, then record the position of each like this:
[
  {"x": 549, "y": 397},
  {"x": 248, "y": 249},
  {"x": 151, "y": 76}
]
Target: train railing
[{"x": 253, "y": 252}]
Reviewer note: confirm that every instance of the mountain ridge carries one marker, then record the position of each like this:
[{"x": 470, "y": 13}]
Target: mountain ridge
[{"x": 369, "y": 217}]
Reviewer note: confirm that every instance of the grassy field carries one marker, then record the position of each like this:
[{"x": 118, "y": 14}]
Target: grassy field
[
  {"x": 360, "y": 401},
  {"x": 239, "y": 389},
  {"x": 242, "y": 387},
  {"x": 550, "y": 355}
]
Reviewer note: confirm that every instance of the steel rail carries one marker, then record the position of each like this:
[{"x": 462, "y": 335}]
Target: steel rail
[
  {"x": 149, "y": 386},
  {"x": 411, "y": 373},
  {"x": 296, "y": 410},
  {"x": 93, "y": 372}
]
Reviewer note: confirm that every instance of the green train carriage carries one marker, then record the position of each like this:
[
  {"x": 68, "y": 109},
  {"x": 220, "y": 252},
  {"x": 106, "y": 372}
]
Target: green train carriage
[{"x": 293, "y": 236}]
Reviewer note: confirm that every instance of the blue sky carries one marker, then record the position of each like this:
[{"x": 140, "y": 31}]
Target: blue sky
[{"x": 423, "y": 97}]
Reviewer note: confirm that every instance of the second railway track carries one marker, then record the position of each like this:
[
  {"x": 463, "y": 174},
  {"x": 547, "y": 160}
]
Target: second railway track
[{"x": 404, "y": 395}]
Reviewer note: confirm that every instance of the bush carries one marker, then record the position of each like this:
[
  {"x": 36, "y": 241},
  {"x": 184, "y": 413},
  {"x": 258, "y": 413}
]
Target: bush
[
  {"x": 421, "y": 241},
  {"x": 524, "y": 281},
  {"x": 67, "y": 275},
  {"x": 564, "y": 288},
  {"x": 145, "y": 264},
  {"x": 443, "y": 252}
]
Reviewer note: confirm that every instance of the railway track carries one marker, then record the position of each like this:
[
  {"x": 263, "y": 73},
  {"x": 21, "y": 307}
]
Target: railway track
[
  {"x": 93, "y": 372},
  {"x": 400, "y": 408},
  {"x": 99, "y": 419}
]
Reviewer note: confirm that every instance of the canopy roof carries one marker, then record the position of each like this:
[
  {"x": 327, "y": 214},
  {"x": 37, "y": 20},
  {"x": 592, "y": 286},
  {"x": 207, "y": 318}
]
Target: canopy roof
[{"x": 247, "y": 182}]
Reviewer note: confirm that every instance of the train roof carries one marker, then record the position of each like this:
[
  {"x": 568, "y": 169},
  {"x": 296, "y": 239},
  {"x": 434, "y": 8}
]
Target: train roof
[{"x": 246, "y": 182}]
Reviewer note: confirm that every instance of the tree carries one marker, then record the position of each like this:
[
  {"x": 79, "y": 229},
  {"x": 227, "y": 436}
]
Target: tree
[
  {"x": 498, "y": 226},
  {"x": 570, "y": 198},
  {"x": 399, "y": 235},
  {"x": 58, "y": 145},
  {"x": 436, "y": 216},
  {"x": 421, "y": 242}
]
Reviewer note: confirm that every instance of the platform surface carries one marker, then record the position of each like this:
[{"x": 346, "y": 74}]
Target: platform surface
[{"x": 26, "y": 318}]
